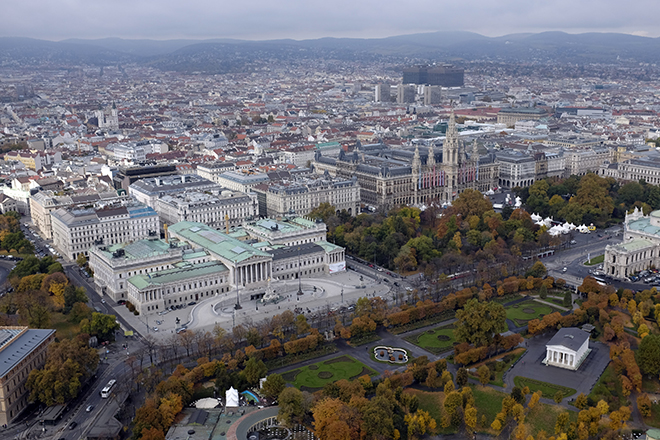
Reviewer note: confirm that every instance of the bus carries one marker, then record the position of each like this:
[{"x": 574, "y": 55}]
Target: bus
[{"x": 105, "y": 392}]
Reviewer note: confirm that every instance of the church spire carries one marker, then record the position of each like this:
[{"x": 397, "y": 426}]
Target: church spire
[
  {"x": 451, "y": 147},
  {"x": 475, "y": 151}
]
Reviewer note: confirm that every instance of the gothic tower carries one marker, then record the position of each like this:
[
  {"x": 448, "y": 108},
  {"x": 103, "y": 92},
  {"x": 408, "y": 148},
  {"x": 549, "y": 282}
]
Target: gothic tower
[
  {"x": 451, "y": 152},
  {"x": 416, "y": 165}
]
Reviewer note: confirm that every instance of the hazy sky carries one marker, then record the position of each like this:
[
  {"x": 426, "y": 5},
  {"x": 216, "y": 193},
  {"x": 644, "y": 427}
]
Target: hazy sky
[{"x": 300, "y": 19}]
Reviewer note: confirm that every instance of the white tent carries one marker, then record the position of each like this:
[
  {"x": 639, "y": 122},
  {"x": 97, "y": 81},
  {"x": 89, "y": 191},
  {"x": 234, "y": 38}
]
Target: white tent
[
  {"x": 231, "y": 398},
  {"x": 536, "y": 218}
]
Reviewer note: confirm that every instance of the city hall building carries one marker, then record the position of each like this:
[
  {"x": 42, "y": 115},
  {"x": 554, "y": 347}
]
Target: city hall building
[{"x": 391, "y": 177}]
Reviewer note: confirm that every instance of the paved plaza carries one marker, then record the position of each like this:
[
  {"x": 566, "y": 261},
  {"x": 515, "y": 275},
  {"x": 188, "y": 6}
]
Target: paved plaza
[
  {"x": 582, "y": 380},
  {"x": 204, "y": 315}
]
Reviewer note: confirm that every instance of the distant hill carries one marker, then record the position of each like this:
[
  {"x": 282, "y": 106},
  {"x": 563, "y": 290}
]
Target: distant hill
[{"x": 227, "y": 55}]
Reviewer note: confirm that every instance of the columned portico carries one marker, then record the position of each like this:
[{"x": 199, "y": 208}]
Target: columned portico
[{"x": 567, "y": 349}]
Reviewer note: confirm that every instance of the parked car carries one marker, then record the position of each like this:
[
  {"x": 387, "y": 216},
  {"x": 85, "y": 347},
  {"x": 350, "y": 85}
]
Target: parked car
[
  {"x": 73, "y": 425},
  {"x": 89, "y": 408}
]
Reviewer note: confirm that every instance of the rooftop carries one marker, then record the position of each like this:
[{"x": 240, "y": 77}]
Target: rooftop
[
  {"x": 184, "y": 271},
  {"x": 569, "y": 337},
  {"x": 16, "y": 343},
  {"x": 215, "y": 241}
]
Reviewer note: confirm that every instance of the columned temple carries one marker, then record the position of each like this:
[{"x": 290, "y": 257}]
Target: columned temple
[
  {"x": 567, "y": 349},
  {"x": 391, "y": 177}
]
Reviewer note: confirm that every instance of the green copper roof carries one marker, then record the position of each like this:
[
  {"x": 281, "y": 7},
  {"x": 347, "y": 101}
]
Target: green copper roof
[
  {"x": 183, "y": 272},
  {"x": 215, "y": 241}
]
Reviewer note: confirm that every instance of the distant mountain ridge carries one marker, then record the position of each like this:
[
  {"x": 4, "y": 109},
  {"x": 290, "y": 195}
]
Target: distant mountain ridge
[{"x": 227, "y": 55}]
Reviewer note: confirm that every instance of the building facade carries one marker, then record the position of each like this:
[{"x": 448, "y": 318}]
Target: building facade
[
  {"x": 113, "y": 265},
  {"x": 75, "y": 231},
  {"x": 43, "y": 203},
  {"x": 640, "y": 248},
  {"x": 300, "y": 197},
  {"x": 509, "y": 116},
  {"x": 21, "y": 351},
  {"x": 392, "y": 177},
  {"x": 223, "y": 209},
  {"x": 567, "y": 349}
]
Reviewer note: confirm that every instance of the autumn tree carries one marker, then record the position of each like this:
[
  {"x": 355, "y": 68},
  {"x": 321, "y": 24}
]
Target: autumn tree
[
  {"x": 484, "y": 374},
  {"x": 419, "y": 423},
  {"x": 69, "y": 363}
]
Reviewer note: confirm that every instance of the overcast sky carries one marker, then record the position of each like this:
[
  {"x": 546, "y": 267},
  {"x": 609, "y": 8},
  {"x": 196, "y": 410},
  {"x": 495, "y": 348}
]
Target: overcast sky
[{"x": 301, "y": 19}]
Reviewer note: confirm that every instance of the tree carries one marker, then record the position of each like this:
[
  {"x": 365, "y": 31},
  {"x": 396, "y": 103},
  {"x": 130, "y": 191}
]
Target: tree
[
  {"x": 254, "y": 371},
  {"x": 470, "y": 416},
  {"x": 273, "y": 385},
  {"x": 69, "y": 364},
  {"x": 534, "y": 399},
  {"x": 324, "y": 211},
  {"x": 72, "y": 295},
  {"x": 471, "y": 202},
  {"x": 648, "y": 355},
  {"x": 330, "y": 421},
  {"x": 581, "y": 401},
  {"x": 292, "y": 408},
  {"x": 538, "y": 270},
  {"x": 101, "y": 325},
  {"x": 461, "y": 377},
  {"x": 543, "y": 292},
  {"x": 81, "y": 260},
  {"x": 644, "y": 405},
  {"x": 559, "y": 396},
  {"x": 484, "y": 374},
  {"x": 568, "y": 299},
  {"x": 419, "y": 423},
  {"x": 477, "y": 322}
]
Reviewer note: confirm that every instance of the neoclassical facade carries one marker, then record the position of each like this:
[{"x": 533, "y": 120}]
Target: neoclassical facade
[
  {"x": 567, "y": 348},
  {"x": 640, "y": 248},
  {"x": 391, "y": 177}
]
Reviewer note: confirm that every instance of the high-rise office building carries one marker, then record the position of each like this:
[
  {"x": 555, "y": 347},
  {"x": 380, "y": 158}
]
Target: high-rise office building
[{"x": 445, "y": 75}]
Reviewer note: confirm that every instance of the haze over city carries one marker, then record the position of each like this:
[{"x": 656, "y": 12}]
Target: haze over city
[{"x": 261, "y": 19}]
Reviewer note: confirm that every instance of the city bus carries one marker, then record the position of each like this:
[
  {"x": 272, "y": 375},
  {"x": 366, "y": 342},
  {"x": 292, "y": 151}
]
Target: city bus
[{"x": 105, "y": 392}]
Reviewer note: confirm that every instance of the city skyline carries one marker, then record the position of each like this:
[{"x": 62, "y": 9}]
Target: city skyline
[{"x": 262, "y": 20}]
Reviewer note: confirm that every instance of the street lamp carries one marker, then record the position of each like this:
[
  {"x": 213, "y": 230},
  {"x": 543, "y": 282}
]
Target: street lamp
[{"x": 342, "y": 295}]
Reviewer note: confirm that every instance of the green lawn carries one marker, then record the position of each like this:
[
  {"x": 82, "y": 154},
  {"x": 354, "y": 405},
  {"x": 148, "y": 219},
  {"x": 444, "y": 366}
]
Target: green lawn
[
  {"x": 488, "y": 402},
  {"x": 431, "y": 402},
  {"x": 523, "y": 312},
  {"x": 548, "y": 389},
  {"x": 608, "y": 388},
  {"x": 499, "y": 368},
  {"x": 437, "y": 340},
  {"x": 543, "y": 417},
  {"x": 595, "y": 260},
  {"x": 318, "y": 375}
]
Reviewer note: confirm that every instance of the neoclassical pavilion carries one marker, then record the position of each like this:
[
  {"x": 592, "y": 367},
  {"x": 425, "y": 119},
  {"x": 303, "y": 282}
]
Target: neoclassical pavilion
[{"x": 567, "y": 349}]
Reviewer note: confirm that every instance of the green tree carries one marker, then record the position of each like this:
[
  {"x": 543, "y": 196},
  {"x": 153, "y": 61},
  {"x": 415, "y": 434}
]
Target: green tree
[
  {"x": 648, "y": 355},
  {"x": 101, "y": 325},
  {"x": 254, "y": 371},
  {"x": 559, "y": 396},
  {"x": 273, "y": 386},
  {"x": 537, "y": 270},
  {"x": 324, "y": 211},
  {"x": 292, "y": 407},
  {"x": 81, "y": 260},
  {"x": 543, "y": 291},
  {"x": 477, "y": 322},
  {"x": 73, "y": 295},
  {"x": 471, "y": 202},
  {"x": 568, "y": 299}
]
